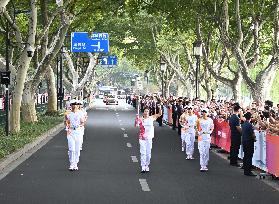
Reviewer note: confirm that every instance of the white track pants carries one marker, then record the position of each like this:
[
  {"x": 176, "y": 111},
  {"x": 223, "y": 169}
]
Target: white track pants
[
  {"x": 183, "y": 136},
  {"x": 203, "y": 147},
  {"x": 81, "y": 136},
  {"x": 145, "y": 151},
  {"x": 190, "y": 141},
  {"x": 74, "y": 140}
]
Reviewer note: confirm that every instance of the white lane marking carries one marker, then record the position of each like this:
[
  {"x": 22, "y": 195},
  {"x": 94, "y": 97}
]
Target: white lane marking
[
  {"x": 123, "y": 129},
  {"x": 144, "y": 185},
  {"x": 134, "y": 159},
  {"x": 125, "y": 135},
  {"x": 129, "y": 144}
]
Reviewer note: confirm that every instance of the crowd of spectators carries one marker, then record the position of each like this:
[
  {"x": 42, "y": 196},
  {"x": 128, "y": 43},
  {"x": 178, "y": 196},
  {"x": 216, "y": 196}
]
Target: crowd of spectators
[{"x": 265, "y": 116}]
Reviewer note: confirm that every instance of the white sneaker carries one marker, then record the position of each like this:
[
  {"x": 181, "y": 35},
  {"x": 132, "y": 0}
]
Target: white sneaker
[
  {"x": 75, "y": 168},
  {"x": 205, "y": 168},
  {"x": 142, "y": 169},
  {"x": 191, "y": 157},
  {"x": 182, "y": 149},
  {"x": 71, "y": 168},
  {"x": 188, "y": 157},
  {"x": 147, "y": 168},
  {"x": 202, "y": 168}
]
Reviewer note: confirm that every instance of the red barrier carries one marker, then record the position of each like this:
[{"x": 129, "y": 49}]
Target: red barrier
[
  {"x": 272, "y": 152},
  {"x": 222, "y": 135},
  {"x": 214, "y": 138}
]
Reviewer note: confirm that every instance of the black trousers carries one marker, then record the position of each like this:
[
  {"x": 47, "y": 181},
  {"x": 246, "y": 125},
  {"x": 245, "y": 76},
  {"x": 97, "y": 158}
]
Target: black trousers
[
  {"x": 234, "y": 150},
  {"x": 248, "y": 149},
  {"x": 174, "y": 122},
  {"x": 160, "y": 120},
  {"x": 142, "y": 107}
]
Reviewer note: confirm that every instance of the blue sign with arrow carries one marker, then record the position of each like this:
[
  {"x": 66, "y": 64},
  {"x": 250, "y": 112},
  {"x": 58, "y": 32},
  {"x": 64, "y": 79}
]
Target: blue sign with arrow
[
  {"x": 82, "y": 42},
  {"x": 108, "y": 60}
]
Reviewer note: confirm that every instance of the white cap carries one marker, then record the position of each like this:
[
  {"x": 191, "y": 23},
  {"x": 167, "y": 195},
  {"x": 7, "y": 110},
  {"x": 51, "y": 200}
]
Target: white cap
[
  {"x": 205, "y": 109},
  {"x": 73, "y": 101},
  {"x": 79, "y": 102}
]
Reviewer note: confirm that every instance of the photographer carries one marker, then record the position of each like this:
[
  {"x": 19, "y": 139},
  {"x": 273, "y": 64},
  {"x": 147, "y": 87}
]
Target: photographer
[{"x": 264, "y": 116}]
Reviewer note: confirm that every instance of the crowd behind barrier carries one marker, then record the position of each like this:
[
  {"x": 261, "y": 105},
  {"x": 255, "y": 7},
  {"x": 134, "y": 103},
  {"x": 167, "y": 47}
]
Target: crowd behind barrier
[{"x": 265, "y": 120}]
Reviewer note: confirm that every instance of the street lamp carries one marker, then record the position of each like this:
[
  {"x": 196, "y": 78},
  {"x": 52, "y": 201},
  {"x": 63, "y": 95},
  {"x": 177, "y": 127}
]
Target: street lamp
[
  {"x": 60, "y": 88},
  {"x": 197, "y": 52},
  {"x": 163, "y": 67}
]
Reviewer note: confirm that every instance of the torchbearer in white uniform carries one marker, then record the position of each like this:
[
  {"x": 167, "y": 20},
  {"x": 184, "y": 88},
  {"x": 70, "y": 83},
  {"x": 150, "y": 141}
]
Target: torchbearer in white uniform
[
  {"x": 74, "y": 121},
  {"x": 146, "y": 135},
  {"x": 205, "y": 127},
  {"x": 190, "y": 133}
]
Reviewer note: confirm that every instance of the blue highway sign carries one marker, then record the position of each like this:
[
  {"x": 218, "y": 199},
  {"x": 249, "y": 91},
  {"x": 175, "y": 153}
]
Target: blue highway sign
[
  {"x": 82, "y": 42},
  {"x": 108, "y": 60}
]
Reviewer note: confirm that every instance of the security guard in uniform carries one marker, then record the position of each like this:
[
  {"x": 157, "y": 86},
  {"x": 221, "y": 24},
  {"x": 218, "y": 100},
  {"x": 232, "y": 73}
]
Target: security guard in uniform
[
  {"x": 248, "y": 139},
  {"x": 234, "y": 122},
  {"x": 174, "y": 115}
]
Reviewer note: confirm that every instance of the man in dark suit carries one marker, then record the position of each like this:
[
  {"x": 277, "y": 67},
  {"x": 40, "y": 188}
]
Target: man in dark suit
[
  {"x": 235, "y": 128},
  {"x": 248, "y": 139},
  {"x": 159, "y": 106},
  {"x": 174, "y": 115},
  {"x": 179, "y": 113}
]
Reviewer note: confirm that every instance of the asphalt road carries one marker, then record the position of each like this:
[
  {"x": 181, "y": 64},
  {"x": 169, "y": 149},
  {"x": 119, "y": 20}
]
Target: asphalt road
[{"x": 109, "y": 171}]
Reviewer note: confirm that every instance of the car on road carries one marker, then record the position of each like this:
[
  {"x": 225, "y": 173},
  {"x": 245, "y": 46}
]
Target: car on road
[
  {"x": 121, "y": 96},
  {"x": 111, "y": 99}
]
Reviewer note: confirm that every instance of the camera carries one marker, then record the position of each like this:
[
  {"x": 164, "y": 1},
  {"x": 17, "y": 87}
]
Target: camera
[
  {"x": 267, "y": 108},
  {"x": 30, "y": 51},
  {"x": 265, "y": 114}
]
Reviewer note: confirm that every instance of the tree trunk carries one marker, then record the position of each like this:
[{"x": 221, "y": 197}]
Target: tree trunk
[
  {"x": 208, "y": 91},
  {"x": 18, "y": 91},
  {"x": 180, "y": 89},
  {"x": 169, "y": 80},
  {"x": 3, "y": 4},
  {"x": 28, "y": 105},
  {"x": 189, "y": 90},
  {"x": 261, "y": 91},
  {"x": 268, "y": 87},
  {"x": 168, "y": 89},
  {"x": 24, "y": 63},
  {"x": 236, "y": 88},
  {"x": 52, "y": 92}
]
